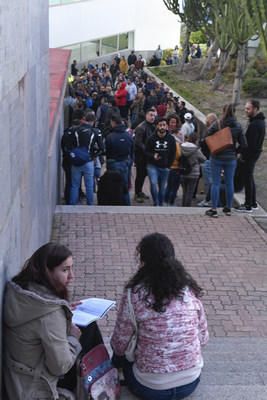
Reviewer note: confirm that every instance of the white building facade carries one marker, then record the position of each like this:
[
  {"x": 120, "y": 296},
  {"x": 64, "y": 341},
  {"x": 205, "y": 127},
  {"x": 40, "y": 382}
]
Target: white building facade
[{"x": 99, "y": 27}]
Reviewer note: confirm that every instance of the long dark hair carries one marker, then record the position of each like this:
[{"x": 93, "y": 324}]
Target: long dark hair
[
  {"x": 47, "y": 257},
  {"x": 160, "y": 273},
  {"x": 228, "y": 112}
]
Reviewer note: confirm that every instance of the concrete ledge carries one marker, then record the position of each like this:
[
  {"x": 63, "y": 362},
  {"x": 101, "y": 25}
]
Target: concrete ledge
[{"x": 146, "y": 210}]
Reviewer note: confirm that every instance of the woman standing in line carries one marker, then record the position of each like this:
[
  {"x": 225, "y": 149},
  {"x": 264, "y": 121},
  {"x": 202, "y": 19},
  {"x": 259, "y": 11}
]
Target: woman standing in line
[
  {"x": 225, "y": 161},
  {"x": 169, "y": 321}
]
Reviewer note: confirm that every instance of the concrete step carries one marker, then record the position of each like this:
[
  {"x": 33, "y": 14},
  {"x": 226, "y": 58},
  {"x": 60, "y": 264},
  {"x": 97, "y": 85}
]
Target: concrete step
[{"x": 235, "y": 369}]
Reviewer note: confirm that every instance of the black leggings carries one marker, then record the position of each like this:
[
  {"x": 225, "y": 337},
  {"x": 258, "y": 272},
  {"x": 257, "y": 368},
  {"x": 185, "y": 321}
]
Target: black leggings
[{"x": 90, "y": 337}]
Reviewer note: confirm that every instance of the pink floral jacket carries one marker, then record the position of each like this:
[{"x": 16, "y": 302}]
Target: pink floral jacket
[{"x": 167, "y": 342}]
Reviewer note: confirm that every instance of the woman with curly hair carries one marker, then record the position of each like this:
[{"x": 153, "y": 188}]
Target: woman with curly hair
[{"x": 160, "y": 305}]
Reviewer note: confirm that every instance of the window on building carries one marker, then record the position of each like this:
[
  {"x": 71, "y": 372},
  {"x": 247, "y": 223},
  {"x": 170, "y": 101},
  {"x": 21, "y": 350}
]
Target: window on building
[
  {"x": 83, "y": 52},
  {"x": 109, "y": 45},
  {"x": 90, "y": 49},
  {"x": 123, "y": 41},
  {"x": 62, "y": 2}
]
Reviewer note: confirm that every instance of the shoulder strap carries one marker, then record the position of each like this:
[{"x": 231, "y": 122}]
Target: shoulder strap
[
  {"x": 77, "y": 138},
  {"x": 131, "y": 310}
]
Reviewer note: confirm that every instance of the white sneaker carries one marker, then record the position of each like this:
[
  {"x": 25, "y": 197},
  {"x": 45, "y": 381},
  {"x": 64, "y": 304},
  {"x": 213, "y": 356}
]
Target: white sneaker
[{"x": 204, "y": 203}]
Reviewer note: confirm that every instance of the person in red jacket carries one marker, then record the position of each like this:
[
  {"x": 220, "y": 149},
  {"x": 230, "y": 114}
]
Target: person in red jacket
[{"x": 121, "y": 99}]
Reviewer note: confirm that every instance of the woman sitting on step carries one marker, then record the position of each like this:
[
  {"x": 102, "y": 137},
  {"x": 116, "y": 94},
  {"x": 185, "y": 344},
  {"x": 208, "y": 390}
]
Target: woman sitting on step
[
  {"x": 41, "y": 343},
  {"x": 161, "y": 314}
]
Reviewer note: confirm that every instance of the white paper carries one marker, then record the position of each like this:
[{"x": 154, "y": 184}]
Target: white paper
[{"x": 91, "y": 310}]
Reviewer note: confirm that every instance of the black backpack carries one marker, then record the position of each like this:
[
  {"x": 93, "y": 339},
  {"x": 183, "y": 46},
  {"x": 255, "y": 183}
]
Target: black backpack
[{"x": 185, "y": 167}]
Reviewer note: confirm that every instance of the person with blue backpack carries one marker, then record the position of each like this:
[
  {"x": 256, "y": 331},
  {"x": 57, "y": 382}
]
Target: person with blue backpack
[{"x": 88, "y": 145}]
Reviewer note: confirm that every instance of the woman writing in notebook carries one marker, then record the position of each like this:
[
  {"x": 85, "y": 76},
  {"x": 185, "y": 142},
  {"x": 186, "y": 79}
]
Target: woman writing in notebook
[
  {"x": 161, "y": 306},
  {"x": 41, "y": 343}
]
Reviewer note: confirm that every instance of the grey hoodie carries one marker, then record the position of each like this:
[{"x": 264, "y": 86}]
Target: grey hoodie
[{"x": 195, "y": 157}]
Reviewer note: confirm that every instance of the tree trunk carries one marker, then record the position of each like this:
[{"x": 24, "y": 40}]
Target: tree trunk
[
  {"x": 239, "y": 73},
  {"x": 218, "y": 77},
  {"x": 208, "y": 62},
  {"x": 185, "y": 50},
  {"x": 226, "y": 62}
]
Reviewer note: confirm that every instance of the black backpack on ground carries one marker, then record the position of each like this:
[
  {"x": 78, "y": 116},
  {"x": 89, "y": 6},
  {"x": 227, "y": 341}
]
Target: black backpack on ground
[{"x": 110, "y": 189}]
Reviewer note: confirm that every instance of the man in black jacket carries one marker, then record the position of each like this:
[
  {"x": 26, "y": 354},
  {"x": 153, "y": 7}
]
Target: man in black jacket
[
  {"x": 90, "y": 139},
  {"x": 255, "y": 136},
  {"x": 142, "y": 132},
  {"x": 68, "y": 142},
  {"x": 160, "y": 151},
  {"x": 119, "y": 152}
]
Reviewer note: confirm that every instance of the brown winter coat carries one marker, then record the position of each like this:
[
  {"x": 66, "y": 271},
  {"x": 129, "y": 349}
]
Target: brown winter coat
[{"x": 37, "y": 347}]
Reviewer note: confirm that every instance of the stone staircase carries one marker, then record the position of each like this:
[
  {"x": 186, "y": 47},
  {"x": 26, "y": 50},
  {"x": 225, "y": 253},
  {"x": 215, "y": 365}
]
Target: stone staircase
[{"x": 235, "y": 369}]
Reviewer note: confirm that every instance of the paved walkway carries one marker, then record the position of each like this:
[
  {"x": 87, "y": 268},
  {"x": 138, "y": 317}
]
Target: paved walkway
[{"x": 227, "y": 256}]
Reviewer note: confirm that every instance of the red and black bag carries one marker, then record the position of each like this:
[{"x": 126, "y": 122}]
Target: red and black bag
[{"x": 97, "y": 378}]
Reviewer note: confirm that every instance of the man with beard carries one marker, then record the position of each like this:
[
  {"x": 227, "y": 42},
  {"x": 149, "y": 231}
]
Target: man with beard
[
  {"x": 255, "y": 136},
  {"x": 160, "y": 152}
]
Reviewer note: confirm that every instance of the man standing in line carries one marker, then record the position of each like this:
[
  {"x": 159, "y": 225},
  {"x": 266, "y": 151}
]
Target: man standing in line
[
  {"x": 255, "y": 136},
  {"x": 142, "y": 132},
  {"x": 119, "y": 151},
  {"x": 160, "y": 151},
  {"x": 89, "y": 138}
]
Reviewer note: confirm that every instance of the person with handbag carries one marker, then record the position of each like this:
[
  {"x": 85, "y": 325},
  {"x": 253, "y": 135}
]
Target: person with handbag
[
  {"x": 228, "y": 135},
  {"x": 161, "y": 325},
  {"x": 41, "y": 343}
]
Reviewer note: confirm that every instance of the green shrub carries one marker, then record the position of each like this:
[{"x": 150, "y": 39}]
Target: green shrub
[
  {"x": 167, "y": 53},
  {"x": 255, "y": 86},
  {"x": 198, "y": 37},
  {"x": 251, "y": 73}
]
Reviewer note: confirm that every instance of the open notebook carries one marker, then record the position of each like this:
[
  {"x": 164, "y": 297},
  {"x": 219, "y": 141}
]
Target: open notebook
[{"x": 91, "y": 310}]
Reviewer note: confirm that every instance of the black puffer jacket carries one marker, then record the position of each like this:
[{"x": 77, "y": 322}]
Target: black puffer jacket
[
  {"x": 239, "y": 140},
  {"x": 255, "y": 135}
]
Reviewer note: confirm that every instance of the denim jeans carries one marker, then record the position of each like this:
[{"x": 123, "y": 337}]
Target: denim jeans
[
  {"x": 228, "y": 166},
  {"x": 206, "y": 173},
  {"x": 158, "y": 180},
  {"x": 172, "y": 186},
  {"x": 145, "y": 393},
  {"x": 123, "y": 168},
  {"x": 87, "y": 171}
]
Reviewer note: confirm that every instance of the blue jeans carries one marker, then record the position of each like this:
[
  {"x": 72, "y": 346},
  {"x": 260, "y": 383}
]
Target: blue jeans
[
  {"x": 206, "y": 173},
  {"x": 87, "y": 171},
  {"x": 158, "y": 180},
  {"x": 172, "y": 186},
  {"x": 228, "y": 166},
  {"x": 145, "y": 393},
  {"x": 123, "y": 168}
]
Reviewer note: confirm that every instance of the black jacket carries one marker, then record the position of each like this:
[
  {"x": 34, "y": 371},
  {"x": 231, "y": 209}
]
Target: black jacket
[
  {"x": 255, "y": 135},
  {"x": 119, "y": 144},
  {"x": 239, "y": 140},
  {"x": 83, "y": 135},
  {"x": 142, "y": 132},
  {"x": 165, "y": 147}
]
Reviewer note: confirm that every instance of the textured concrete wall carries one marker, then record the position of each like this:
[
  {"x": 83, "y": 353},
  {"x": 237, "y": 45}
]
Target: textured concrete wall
[{"x": 25, "y": 180}]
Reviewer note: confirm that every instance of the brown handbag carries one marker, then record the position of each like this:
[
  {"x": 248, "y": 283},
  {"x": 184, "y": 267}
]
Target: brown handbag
[{"x": 220, "y": 140}]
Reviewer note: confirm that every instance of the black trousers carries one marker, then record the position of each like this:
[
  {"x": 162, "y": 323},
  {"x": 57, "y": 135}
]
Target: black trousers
[
  {"x": 141, "y": 173},
  {"x": 67, "y": 169},
  {"x": 250, "y": 188},
  {"x": 90, "y": 337}
]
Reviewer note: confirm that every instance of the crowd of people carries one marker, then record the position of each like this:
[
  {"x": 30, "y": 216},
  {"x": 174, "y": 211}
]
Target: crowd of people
[
  {"x": 122, "y": 117},
  {"x": 128, "y": 121}
]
